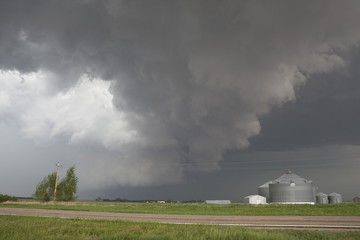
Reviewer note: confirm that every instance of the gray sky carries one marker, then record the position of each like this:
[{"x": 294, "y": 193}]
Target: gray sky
[{"x": 179, "y": 99}]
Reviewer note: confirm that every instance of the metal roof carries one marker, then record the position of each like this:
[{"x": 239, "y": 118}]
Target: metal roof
[
  {"x": 321, "y": 194},
  {"x": 290, "y": 177},
  {"x": 218, "y": 201},
  {"x": 334, "y": 194},
  {"x": 250, "y": 196},
  {"x": 265, "y": 185}
]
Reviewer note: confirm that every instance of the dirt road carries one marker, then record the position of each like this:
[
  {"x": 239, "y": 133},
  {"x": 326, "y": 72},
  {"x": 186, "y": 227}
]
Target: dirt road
[{"x": 323, "y": 222}]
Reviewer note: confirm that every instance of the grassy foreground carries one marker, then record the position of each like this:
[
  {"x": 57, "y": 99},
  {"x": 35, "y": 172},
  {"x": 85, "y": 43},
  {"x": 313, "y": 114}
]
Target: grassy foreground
[
  {"x": 342, "y": 209},
  {"x": 15, "y": 227}
]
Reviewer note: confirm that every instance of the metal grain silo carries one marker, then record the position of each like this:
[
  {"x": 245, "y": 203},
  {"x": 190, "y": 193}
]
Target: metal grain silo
[
  {"x": 321, "y": 198},
  {"x": 291, "y": 188},
  {"x": 334, "y": 198},
  {"x": 263, "y": 190}
]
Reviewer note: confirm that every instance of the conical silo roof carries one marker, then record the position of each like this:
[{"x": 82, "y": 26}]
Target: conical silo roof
[
  {"x": 290, "y": 177},
  {"x": 334, "y": 194},
  {"x": 265, "y": 185},
  {"x": 321, "y": 194}
]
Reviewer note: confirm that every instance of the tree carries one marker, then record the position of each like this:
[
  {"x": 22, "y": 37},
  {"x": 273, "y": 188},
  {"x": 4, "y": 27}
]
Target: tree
[
  {"x": 68, "y": 186},
  {"x": 45, "y": 189},
  {"x": 66, "y": 189}
]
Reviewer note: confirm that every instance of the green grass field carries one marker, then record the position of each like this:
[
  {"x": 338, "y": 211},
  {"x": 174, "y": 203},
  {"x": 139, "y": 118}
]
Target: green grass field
[
  {"x": 15, "y": 227},
  {"x": 343, "y": 209}
]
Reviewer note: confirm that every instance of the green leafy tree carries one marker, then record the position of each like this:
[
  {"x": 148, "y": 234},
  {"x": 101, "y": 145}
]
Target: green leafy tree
[
  {"x": 65, "y": 190},
  {"x": 68, "y": 186},
  {"x": 45, "y": 189}
]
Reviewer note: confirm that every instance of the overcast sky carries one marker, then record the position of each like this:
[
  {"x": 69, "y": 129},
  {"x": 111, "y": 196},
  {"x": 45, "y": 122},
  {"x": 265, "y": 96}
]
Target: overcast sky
[{"x": 166, "y": 99}]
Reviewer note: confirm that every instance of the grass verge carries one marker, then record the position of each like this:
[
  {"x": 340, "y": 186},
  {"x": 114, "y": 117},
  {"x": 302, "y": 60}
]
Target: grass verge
[{"x": 15, "y": 227}]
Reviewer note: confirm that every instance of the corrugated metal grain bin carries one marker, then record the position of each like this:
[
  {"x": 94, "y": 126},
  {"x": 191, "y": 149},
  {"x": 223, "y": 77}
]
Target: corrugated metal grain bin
[
  {"x": 291, "y": 188},
  {"x": 321, "y": 198},
  {"x": 334, "y": 198},
  {"x": 263, "y": 190}
]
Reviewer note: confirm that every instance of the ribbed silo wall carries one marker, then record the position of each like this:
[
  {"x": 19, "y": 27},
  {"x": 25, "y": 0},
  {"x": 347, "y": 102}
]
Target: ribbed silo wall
[
  {"x": 284, "y": 192},
  {"x": 322, "y": 199},
  {"x": 335, "y": 199},
  {"x": 264, "y": 191}
]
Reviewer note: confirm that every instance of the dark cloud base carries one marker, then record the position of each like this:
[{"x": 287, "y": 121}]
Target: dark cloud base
[{"x": 325, "y": 112}]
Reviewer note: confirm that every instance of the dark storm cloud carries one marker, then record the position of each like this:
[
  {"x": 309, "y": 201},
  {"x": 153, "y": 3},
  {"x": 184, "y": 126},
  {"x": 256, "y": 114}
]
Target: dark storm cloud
[
  {"x": 188, "y": 79},
  {"x": 325, "y": 112}
]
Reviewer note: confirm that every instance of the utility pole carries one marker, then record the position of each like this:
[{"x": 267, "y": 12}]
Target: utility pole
[{"x": 58, "y": 165}]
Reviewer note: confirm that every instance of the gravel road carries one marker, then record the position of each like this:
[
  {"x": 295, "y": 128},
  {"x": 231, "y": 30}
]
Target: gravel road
[{"x": 314, "y": 222}]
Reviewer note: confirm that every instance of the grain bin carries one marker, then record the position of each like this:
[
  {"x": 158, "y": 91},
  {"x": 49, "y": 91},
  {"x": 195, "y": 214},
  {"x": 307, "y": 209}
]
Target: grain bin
[
  {"x": 321, "y": 198},
  {"x": 334, "y": 198},
  {"x": 291, "y": 188},
  {"x": 263, "y": 190}
]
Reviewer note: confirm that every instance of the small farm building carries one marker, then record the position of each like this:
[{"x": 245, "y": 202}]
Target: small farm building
[
  {"x": 255, "y": 199},
  {"x": 218, "y": 201}
]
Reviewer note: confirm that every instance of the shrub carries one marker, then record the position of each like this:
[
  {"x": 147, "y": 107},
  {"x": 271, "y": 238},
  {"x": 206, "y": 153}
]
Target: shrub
[{"x": 4, "y": 198}]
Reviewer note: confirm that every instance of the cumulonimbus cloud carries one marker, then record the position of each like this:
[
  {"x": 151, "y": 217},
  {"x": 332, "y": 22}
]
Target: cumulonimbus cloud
[{"x": 167, "y": 86}]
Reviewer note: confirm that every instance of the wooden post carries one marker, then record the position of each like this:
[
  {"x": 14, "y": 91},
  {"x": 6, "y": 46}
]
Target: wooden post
[{"x": 56, "y": 180}]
